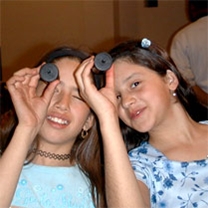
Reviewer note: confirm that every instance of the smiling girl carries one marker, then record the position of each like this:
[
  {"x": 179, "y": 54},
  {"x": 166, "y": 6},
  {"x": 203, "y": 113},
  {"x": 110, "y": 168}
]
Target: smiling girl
[
  {"x": 167, "y": 162},
  {"x": 54, "y": 157}
]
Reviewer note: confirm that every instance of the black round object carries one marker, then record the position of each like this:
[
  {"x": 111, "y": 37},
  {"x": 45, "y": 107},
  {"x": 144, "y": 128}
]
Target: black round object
[
  {"x": 49, "y": 72},
  {"x": 103, "y": 61}
]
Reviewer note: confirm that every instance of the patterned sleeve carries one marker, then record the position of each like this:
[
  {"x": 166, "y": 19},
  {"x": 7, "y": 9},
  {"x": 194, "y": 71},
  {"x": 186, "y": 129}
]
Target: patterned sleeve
[{"x": 139, "y": 165}]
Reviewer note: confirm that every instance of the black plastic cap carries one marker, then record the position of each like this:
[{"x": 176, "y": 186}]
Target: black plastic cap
[
  {"x": 103, "y": 61},
  {"x": 49, "y": 72}
]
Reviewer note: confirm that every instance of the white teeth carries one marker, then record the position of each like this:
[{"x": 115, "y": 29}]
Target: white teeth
[
  {"x": 138, "y": 112},
  {"x": 58, "y": 120}
]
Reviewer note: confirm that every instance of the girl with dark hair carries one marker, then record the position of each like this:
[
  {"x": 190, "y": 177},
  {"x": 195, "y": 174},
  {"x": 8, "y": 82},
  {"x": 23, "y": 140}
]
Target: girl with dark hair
[
  {"x": 54, "y": 157},
  {"x": 160, "y": 125}
]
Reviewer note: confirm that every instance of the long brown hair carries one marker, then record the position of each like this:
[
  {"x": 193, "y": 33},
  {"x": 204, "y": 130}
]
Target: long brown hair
[{"x": 8, "y": 118}]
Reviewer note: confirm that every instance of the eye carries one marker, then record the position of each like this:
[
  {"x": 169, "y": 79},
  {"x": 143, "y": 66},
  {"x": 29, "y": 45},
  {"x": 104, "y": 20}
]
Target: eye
[
  {"x": 56, "y": 90},
  {"x": 118, "y": 97},
  {"x": 78, "y": 97},
  {"x": 134, "y": 84}
]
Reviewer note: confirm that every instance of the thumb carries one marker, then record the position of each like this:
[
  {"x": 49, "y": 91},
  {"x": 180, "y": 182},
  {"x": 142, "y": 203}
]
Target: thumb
[
  {"x": 48, "y": 94},
  {"x": 110, "y": 78}
]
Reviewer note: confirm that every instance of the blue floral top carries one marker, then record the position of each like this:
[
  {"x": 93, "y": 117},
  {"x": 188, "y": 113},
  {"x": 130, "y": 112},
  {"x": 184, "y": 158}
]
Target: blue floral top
[{"x": 172, "y": 184}]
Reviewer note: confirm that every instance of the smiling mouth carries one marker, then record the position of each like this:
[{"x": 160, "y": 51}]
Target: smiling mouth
[
  {"x": 138, "y": 112},
  {"x": 58, "y": 120},
  {"x": 134, "y": 115}
]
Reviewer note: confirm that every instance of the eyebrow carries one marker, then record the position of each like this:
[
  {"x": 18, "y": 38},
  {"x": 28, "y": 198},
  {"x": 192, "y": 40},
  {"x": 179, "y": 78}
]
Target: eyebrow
[{"x": 129, "y": 77}]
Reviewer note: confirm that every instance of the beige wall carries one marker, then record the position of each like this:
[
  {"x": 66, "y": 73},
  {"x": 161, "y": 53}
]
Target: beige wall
[
  {"x": 30, "y": 28},
  {"x": 158, "y": 23}
]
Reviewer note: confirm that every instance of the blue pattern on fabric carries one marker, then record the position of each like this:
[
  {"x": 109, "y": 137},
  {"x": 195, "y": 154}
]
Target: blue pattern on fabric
[
  {"x": 172, "y": 184},
  {"x": 52, "y": 187}
]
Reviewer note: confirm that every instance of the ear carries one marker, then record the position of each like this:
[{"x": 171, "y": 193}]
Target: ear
[
  {"x": 89, "y": 122},
  {"x": 171, "y": 80}
]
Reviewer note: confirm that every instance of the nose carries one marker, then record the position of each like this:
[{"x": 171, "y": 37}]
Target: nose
[
  {"x": 63, "y": 102},
  {"x": 127, "y": 100}
]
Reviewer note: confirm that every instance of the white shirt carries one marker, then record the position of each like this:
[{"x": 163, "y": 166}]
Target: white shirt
[{"x": 189, "y": 51}]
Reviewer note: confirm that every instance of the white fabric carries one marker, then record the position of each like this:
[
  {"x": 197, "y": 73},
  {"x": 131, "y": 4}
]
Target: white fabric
[{"x": 189, "y": 51}]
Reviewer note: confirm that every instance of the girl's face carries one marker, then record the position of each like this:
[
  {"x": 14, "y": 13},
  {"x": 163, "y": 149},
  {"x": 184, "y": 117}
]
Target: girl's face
[
  {"x": 144, "y": 97},
  {"x": 67, "y": 112}
]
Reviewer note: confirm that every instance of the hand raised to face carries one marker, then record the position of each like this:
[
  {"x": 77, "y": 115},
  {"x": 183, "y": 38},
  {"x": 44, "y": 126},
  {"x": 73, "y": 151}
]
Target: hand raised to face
[
  {"x": 103, "y": 100},
  {"x": 30, "y": 108}
]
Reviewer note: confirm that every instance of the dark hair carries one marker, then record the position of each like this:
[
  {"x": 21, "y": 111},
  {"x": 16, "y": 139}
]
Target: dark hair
[
  {"x": 86, "y": 152},
  {"x": 197, "y": 9},
  {"x": 8, "y": 118},
  {"x": 157, "y": 59}
]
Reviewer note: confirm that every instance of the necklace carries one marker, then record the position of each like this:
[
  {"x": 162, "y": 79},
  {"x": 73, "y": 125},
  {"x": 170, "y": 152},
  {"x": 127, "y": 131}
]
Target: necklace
[{"x": 51, "y": 155}]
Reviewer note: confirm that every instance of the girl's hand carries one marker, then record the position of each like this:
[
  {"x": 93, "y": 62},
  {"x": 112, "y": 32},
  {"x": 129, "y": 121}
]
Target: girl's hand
[
  {"x": 102, "y": 101},
  {"x": 31, "y": 108}
]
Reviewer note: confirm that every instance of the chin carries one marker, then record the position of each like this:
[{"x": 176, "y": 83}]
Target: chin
[{"x": 143, "y": 128}]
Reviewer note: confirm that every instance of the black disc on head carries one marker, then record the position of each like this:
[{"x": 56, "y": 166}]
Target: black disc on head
[
  {"x": 49, "y": 72},
  {"x": 103, "y": 61}
]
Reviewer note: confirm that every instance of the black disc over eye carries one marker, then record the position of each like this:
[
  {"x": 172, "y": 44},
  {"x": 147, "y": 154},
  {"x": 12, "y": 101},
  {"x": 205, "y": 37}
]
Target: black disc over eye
[
  {"x": 49, "y": 72},
  {"x": 103, "y": 61}
]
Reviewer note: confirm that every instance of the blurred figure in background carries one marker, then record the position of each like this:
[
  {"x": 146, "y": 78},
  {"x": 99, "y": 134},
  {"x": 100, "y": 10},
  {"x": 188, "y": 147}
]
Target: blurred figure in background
[
  {"x": 8, "y": 117},
  {"x": 189, "y": 49}
]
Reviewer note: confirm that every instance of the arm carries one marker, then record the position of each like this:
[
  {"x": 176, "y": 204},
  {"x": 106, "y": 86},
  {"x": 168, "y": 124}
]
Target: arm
[
  {"x": 122, "y": 189},
  {"x": 31, "y": 110},
  {"x": 11, "y": 163}
]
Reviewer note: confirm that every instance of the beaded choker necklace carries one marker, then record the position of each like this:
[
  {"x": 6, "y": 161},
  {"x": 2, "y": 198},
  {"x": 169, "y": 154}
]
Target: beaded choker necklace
[{"x": 50, "y": 155}]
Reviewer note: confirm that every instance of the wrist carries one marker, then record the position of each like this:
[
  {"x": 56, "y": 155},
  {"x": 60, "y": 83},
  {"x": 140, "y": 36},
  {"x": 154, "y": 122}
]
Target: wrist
[
  {"x": 109, "y": 123},
  {"x": 26, "y": 132}
]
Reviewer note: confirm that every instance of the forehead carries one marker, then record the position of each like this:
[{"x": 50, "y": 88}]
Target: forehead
[
  {"x": 124, "y": 70},
  {"x": 127, "y": 71},
  {"x": 67, "y": 65},
  {"x": 67, "y": 68}
]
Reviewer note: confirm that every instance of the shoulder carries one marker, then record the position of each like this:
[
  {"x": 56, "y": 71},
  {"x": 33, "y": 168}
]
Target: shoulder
[
  {"x": 204, "y": 122},
  {"x": 144, "y": 160},
  {"x": 145, "y": 157},
  {"x": 144, "y": 150},
  {"x": 191, "y": 29}
]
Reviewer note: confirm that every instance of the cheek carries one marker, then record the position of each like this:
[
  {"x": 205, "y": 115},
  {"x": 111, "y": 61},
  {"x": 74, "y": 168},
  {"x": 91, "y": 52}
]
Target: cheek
[
  {"x": 159, "y": 98},
  {"x": 152, "y": 92},
  {"x": 122, "y": 114},
  {"x": 81, "y": 110}
]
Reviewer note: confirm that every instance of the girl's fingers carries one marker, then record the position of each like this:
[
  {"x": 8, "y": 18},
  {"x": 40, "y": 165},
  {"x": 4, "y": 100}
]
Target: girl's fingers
[
  {"x": 13, "y": 83},
  {"x": 14, "y": 79},
  {"x": 86, "y": 74},
  {"x": 26, "y": 71},
  {"x": 84, "y": 68},
  {"x": 22, "y": 76},
  {"x": 110, "y": 78},
  {"x": 48, "y": 94}
]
